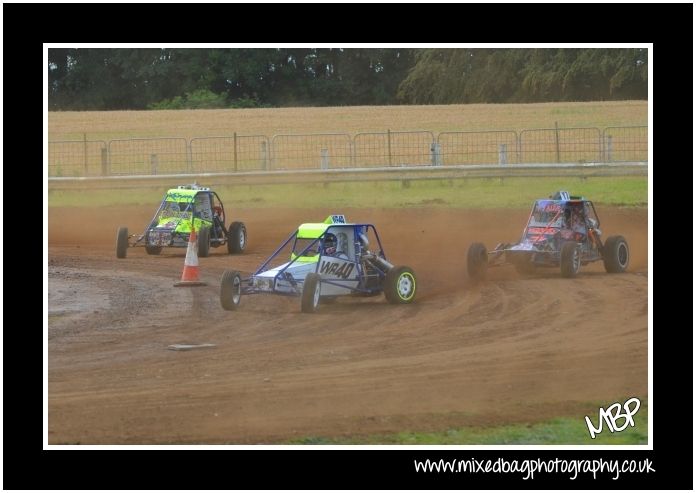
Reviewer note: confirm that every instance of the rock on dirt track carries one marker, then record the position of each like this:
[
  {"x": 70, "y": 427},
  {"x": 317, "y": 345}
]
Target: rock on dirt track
[{"x": 508, "y": 350}]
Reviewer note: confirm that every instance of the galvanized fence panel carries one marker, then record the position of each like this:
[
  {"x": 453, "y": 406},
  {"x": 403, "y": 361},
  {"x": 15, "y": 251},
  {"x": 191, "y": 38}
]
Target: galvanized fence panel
[
  {"x": 625, "y": 143},
  {"x": 77, "y": 158},
  {"x": 408, "y": 148},
  {"x": 338, "y": 150},
  {"x": 148, "y": 156},
  {"x": 229, "y": 154},
  {"x": 480, "y": 147},
  {"x": 310, "y": 151},
  {"x": 560, "y": 145}
]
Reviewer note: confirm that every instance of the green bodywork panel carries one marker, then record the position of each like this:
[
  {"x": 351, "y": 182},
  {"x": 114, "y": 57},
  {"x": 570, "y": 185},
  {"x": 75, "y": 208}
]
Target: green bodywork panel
[
  {"x": 178, "y": 195},
  {"x": 180, "y": 222},
  {"x": 305, "y": 259},
  {"x": 182, "y": 225},
  {"x": 311, "y": 231}
]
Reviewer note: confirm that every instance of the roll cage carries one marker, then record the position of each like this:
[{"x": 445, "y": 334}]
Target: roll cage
[
  {"x": 370, "y": 268},
  {"x": 189, "y": 209},
  {"x": 549, "y": 217}
]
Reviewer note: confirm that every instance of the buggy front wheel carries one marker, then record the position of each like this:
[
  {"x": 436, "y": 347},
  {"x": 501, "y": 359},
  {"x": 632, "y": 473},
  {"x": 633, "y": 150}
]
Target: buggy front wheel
[
  {"x": 570, "y": 259},
  {"x": 477, "y": 261},
  {"x": 615, "y": 254},
  {"x": 230, "y": 290},
  {"x": 204, "y": 242},
  {"x": 311, "y": 292},
  {"x": 121, "y": 242},
  {"x": 400, "y": 285},
  {"x": 236, "y": 238}
]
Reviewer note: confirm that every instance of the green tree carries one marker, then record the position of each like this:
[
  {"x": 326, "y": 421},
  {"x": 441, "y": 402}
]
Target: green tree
[
  {"x": 96, "y": 78},
  {"x": 524, "y": 75}
]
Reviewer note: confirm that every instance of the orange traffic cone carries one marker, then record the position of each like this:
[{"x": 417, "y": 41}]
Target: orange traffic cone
[{"x": 189, "y": 277}]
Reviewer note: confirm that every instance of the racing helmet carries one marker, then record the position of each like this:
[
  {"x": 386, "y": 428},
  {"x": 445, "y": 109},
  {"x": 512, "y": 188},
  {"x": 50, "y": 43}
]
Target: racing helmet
[{"x": 329, "y": 244}]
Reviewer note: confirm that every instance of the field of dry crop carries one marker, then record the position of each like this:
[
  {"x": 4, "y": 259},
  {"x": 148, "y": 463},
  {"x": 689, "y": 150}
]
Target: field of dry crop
[{"x": 105, "y": 125}]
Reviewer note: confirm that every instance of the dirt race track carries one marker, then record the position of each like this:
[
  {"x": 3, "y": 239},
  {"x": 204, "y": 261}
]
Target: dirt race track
[{"x": 509, "y": 350}]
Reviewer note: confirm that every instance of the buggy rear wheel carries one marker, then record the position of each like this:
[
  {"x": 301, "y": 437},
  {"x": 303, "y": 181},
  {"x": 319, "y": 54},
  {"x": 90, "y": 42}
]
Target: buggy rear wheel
[
  {"x": 153, "y": 250},
  {"x": 615, "y": 254},
  {"x": 204, "y": 242},
  {"x": 230, "y": 290},
  {"x": 570, "y": 259},
  {"x": 524, "y": 265},
  {"x": 400, "y": 285},
  {"x": 477, "y": 261},
  {"x": 236, "y": 238},
  {"x": 311, "y": 292},
  {"x": 121, "y": 242}
]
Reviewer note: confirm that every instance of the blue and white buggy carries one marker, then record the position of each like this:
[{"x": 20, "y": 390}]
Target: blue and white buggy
[
  {"x": 562, "y": 231},
  {"x": 327, "y": 260}
]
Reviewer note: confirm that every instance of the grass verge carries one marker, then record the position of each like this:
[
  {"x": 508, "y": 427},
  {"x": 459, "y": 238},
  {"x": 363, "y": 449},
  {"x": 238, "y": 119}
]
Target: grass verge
[
  {"x": 558, "y": 431},
  {"x": 476, "y": 193}
]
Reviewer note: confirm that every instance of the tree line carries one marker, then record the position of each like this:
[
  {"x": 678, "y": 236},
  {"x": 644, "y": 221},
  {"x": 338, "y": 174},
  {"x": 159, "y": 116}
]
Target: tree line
[{"x": 173, "y": 78}]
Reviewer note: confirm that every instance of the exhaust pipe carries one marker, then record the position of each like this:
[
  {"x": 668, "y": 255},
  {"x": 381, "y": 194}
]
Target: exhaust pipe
[{"x": 380, "y": 262}]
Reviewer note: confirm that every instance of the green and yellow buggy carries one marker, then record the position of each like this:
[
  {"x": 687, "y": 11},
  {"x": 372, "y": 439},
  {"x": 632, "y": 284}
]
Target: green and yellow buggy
[{"x": 182, "y": 209}]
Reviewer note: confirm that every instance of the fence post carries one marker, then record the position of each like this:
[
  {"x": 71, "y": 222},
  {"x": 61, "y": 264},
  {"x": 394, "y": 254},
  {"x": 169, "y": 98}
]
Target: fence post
[
  {"x": 502, "y": 154},
  {"x": 435, "y": 156},
  {"x": 153, "y": 163},
  {"x": 352, "y": 153},
  {"x": 235, "y": 151},
  {"x": 84, "y": 139},
  {"x": 389, "y": 146},
  {"x": 264, "y": 155},
  {"x": 104, "y": 162},
  {"x": 610, "y": 148},
  {"x": 558, "y": 147},
  {"x": 324, "y": 159}
]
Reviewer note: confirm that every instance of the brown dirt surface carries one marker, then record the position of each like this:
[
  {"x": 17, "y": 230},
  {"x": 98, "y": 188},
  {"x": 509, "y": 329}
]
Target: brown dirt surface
[{"x": 508, "y": 350}]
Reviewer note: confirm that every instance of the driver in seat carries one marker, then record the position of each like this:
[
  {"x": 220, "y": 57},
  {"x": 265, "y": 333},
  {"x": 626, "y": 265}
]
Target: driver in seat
[
  {"x": 217, "y": 221},
  {"x": 329, "y": 244}
]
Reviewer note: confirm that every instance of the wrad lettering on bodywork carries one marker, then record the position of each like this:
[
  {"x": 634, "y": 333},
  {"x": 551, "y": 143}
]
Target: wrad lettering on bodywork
[{"x": 334, "y": 268}]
